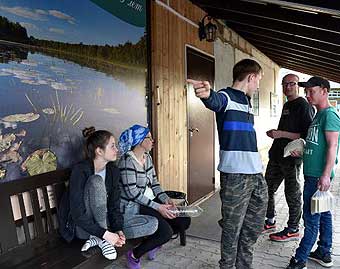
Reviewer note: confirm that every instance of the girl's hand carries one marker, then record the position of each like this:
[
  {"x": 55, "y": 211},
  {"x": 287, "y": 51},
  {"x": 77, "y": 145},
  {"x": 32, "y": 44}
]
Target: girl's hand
[
  {"x": 121, "y": 240},
  {"x": 164, "y": 210},
  {"x": 110, "y": 237}
]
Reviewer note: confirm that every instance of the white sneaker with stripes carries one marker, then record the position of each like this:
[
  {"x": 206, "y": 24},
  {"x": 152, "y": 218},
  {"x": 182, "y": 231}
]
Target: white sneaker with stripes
[
  {"x": 91, "y": 242},
  {"x": 108, "y": 250}
]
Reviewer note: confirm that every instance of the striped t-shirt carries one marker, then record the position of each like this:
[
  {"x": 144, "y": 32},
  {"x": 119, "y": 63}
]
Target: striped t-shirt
[{"x": 237, "y": 136}]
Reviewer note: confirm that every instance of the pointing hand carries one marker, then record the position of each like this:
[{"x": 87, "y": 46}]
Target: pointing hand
[{"x": 202, "y": 88}]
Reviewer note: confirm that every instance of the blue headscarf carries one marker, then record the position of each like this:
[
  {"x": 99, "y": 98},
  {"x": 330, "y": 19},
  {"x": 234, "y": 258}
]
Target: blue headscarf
[{"x": 132, "y": 137}]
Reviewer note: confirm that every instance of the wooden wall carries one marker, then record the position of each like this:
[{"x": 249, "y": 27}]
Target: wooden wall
[{"x": 169, "y": 35}]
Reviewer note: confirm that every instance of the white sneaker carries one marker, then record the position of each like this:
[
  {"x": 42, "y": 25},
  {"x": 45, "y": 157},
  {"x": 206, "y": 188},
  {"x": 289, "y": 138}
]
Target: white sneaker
[
  {"x": 91, "y": 242},
  {"x": 108, "y": 250}
]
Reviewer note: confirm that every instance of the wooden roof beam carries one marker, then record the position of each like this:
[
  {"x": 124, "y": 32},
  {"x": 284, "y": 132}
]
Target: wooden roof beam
[
  {"x": 278, "y": 35},
  {"x": 274, "y": 13}
]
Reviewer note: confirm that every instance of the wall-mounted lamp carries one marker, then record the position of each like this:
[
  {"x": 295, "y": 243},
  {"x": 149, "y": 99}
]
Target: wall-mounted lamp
[{"x": 207, "y": 31}]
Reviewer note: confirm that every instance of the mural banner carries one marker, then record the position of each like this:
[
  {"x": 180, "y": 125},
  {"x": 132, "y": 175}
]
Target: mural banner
[
  {"x": 64, "y": 66},
  {"x": 130, "y": 11}
]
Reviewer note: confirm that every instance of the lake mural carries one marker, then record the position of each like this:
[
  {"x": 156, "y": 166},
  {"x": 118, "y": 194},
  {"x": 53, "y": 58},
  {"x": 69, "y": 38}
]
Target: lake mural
[{"x": 64, "y": 66}]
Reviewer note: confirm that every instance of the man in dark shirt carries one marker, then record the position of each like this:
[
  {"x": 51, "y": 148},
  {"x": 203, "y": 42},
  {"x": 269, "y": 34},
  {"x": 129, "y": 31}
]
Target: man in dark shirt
[{"x": 295, "y": 119}]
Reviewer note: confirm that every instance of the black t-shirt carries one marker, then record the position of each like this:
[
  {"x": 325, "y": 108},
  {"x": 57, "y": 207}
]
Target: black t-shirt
[{"x": 296, "y": 117}]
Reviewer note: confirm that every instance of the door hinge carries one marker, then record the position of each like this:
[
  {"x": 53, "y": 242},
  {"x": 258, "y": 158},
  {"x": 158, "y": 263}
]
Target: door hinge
[{"x": 213, "y": 180}]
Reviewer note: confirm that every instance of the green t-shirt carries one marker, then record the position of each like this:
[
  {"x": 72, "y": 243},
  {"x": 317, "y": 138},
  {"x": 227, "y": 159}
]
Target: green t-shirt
[{"x": 314, "y": 155}]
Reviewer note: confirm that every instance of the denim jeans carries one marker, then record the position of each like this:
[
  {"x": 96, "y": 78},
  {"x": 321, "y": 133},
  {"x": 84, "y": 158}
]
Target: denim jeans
[{"x": 315, "y": 223}]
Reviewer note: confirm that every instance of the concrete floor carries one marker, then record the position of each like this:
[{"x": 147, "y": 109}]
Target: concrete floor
[{"x": 203, "y": 253}]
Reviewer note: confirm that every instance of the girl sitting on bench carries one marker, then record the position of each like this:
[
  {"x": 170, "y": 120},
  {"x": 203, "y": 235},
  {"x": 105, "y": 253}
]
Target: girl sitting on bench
[{"x": 95, "y": 195}]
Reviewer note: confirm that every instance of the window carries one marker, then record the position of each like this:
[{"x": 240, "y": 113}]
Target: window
[{"x": 255, "y": 103}]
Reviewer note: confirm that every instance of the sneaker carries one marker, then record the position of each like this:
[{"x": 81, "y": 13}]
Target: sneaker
[
  {"x": 108, "y": 250},
  {"x": 269, "y": 226},
  {"x": 324, "y": 260},
  {"x": 91, "y": 242},
  {"x": 294, "y": 264},
  {"x": 152, "y": 253},
  {"x": 132, "y": 263},
  {"x": 286, "y": 234}
]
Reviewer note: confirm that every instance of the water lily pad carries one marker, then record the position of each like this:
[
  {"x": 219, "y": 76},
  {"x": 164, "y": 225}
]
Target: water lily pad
[
  {"x": 11, "y": 155},
  {"x": 2, "y": 172},
  {"x": 40, "y": 161},
  {"x": 28, "y": 117},
  {"x": 111, "y": 110},
  {"x": 48, "y": 111},
  {"x": 6, "y": 141}
]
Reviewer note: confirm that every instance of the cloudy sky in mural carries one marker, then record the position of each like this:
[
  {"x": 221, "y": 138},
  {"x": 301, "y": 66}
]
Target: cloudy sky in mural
[{"x": 48, "y": 19}]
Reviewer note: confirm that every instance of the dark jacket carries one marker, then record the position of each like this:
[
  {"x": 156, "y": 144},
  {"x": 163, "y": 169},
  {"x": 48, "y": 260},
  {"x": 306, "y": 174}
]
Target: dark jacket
[
  {"x": 66, "y": 225},
  {"x": 80, "y": 173}
]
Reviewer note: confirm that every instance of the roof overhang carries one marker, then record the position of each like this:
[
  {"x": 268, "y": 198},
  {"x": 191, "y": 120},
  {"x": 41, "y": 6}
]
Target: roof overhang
[{"x": 298, "y": 36}]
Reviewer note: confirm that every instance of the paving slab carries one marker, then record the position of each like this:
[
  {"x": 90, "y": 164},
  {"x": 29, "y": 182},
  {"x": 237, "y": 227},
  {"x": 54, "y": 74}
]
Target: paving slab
[{"x": 204, "y": 254}]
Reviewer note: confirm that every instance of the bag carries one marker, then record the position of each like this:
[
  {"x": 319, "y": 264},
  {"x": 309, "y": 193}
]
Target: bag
[
  {"x": 177, "y": 195},
  {"x": 66, "y": 225},
  {"x": 297, "y": 144},
  {"x": 322, "y": 201}
]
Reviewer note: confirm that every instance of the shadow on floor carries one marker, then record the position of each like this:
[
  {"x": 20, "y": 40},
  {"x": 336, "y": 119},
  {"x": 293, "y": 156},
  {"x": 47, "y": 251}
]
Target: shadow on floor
[{"x": 205, "y": 226}]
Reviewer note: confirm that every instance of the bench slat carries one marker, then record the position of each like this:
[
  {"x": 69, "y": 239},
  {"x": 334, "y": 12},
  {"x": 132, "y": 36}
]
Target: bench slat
[
  {"x": 29, "y": 183},
  {"x": 54, "y": 194},
  {"x": 8, "y": 232},
  {"x": 24, "y": 219},
  {"x": 58, "y": 191},
  {"x": 50, "y": 227},
  {"x": 37, "y": 215}
]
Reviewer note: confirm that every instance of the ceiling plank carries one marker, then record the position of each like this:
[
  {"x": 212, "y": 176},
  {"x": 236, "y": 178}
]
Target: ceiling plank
[
  {"x": 276, "y": 35},
  {"x": 282, "y": 59},
  {"x": 313, "y": 69},
  {"x": 281, "y": 44},
  {"x": 327, "y": 4},
  {"x": 299, "y": 55},
  {"x": 314, "y": 35},
  {"x": 311, "y": 72},
  {"x": 274, "y": 13}
]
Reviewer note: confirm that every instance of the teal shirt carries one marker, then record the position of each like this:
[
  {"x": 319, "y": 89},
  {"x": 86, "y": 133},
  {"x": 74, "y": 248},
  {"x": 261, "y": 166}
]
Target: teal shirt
[{"x": 315, "y": 152}]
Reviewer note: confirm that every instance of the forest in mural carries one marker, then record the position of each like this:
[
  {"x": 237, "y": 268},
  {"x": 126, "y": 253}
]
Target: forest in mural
[{"x": 66, "y": 65}]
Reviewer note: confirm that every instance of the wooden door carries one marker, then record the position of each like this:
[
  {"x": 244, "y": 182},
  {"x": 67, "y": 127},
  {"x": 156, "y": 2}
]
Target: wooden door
[{"x": 200, "y": 128}]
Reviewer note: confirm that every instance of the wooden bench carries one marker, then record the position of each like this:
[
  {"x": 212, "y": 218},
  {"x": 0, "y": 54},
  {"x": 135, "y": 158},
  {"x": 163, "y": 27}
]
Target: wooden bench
[
  {"x": 32, "y": 240},
  {"x": 29, "y": 235}
]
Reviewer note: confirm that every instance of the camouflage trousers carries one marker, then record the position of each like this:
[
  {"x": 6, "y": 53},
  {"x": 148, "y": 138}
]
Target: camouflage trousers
[
  {"x": 244, "y": 203},
  {"x": 289, "y": 171}
]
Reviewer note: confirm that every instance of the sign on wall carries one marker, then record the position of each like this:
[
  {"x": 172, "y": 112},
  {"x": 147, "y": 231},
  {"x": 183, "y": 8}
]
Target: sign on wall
[
  {"x": 131, "y": 11},
  {"x": 274, "y": 104},
  {"x": 64, "y": 66}
]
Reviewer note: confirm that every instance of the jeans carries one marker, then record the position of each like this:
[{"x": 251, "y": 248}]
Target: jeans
[{"x": 320, "y": 222}]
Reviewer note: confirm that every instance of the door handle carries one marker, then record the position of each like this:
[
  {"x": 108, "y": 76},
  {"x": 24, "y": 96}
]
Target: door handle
[{"x": 192, "y": 130}]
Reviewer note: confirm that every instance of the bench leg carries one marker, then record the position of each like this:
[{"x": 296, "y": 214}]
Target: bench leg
[{"x": 182, "y": 238}]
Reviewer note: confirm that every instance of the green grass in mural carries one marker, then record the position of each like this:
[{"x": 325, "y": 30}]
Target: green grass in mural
[{"x": 63, "y": 113}]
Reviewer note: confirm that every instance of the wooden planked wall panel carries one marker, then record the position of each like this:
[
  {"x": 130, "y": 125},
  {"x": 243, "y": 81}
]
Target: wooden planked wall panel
[{"x": 169, "y": 35}]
